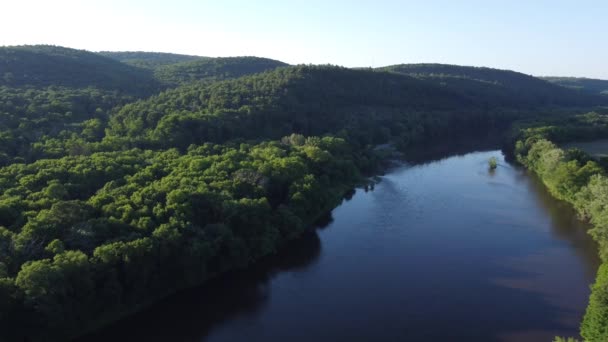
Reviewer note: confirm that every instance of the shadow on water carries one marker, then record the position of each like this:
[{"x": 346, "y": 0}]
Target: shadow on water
[
  {"x": 402, "y": 283},
  {"x": 429, "y": 153},
  {"x": 566, "y": 224},
  {"x": 190, "y": 315}
]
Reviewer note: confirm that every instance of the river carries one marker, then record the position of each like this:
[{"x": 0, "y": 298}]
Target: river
[{"x": 441, "y": 250}]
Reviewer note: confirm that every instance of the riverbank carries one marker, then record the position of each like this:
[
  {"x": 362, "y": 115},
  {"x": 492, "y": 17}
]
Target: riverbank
[
  {"x": 575, "y": 177},
  {"x": 436, "y": 247}
]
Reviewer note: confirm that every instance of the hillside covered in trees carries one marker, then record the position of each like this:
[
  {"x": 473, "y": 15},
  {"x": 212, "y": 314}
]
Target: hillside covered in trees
[
  {"x": 494, "y": 86},
  {"x": 214, "y": 69},
  {"x": 44, "y": 65},
  {"x": 305, "y": 100},
  {"x": 50, "y": 92},
  {"x": 148, "y": 60},
  {"x": 116, "y": 192},
  {"x": 367, "y": 106},
  {"x": 55, "y": 101},
  {"x": 584, "y": 85},
  {"x": 575, "y": 177}
]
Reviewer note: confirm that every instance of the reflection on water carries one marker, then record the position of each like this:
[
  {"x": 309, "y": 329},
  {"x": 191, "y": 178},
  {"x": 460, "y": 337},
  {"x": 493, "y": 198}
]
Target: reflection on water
[
  {"x": 192, "y": 314},
  {"x": 441, "y": 250},
  {"x": 567, "y": 226}
]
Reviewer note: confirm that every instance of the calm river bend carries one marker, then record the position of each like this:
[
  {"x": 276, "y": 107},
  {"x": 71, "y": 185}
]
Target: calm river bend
[{"x": 439, "y": 251}]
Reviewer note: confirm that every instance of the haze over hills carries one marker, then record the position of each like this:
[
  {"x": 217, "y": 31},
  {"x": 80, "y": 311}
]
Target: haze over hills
[
  {"x": 310, "y": 100},
  {"x": 505, "y": 87},
  {"x": 314, "y": 100},
  {"x": 51, "y": 91},
  {"x": 145, "y": 173},
  {"x": 46, "y": 65},
  {"x": 585, "y": 85},
  {"x": 214, "y": 69},
  {"x": 175, "y": 69},
  {"x": 149, "y": 60},
  {"x": 133, "y": 73}
]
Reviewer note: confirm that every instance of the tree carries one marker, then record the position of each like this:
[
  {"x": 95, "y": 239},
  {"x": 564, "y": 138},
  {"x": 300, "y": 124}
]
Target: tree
[{"x": 492, "y": 163}]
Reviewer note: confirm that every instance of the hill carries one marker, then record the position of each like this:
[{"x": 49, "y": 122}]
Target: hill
[
  {"x": 45, "y": 65},
  {"x": 496, "y": 87},
  {"x": 309, "y": 100},
  {"x": 109, "y": 203},
  {"x": 368, "y": 105},
  {"x": 50, "y": 95},
  {"x": 214, "y": 69},
  {"x": 586, "y": 85},
  {"x": 148, "y": 60}
]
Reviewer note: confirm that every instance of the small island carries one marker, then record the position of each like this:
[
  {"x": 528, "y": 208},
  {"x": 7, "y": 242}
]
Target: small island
[{"x": 493, "y": 163}]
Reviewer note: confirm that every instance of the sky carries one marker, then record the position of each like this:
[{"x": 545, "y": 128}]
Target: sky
[{"x": 538, "y": 37}]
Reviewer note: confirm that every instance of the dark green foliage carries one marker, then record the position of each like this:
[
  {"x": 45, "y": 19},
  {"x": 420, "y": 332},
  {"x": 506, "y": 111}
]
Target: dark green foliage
[
  {"x": 369, "y": 107},
  {"x": 60, "y": 101},
  {"x": 52, "y": 121},
  {"x": 148, "y": 60},
  {"x": 108, "y": 203},
  {"x": 213, "y": 69},
  {"x": 492, "y": 163},
  {"x": 142, "y": 224},
  {"x": 584, "y": 85},
  {"x": 575, "y": 177},
  {"x": 595, "y": 323},
  {"x": 494, "y": 87},
  {"x": 565, "y": 339},
  {"x": 45, "y": 65}
]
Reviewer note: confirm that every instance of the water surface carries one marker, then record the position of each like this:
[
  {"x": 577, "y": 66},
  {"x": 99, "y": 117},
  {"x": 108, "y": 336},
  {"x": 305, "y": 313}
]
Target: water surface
[{"x": 438, "y": 251}]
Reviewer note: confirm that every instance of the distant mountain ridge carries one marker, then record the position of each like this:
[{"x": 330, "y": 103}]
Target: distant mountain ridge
[
  {"x": 175, "y": 69},
  {"x": 506, "y": 87},
  {"x": 148, "y": 60},
  {"x": 126, "y": 179},
  {"x": 214, "y": 69},
  {"x": 316, "y": 100},
  {"x": 135, "y": 73},
  {"x": 582, "y": 84},
  {"x": 46, "y": 65}
]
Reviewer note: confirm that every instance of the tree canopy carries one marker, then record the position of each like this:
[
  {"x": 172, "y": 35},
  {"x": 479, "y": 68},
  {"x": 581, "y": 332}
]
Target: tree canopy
[{"x": 125, "y": 177}]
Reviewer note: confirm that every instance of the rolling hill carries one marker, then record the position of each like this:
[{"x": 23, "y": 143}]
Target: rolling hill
[
  {"x": 45, "y": 65},
  {"x": 313, "y": 100},
  {"x": 214, "y": 69},
  {"x": 148, "y": 60},
  {"x": 496, "y": 87},
  {"x": 122, "y": 184},
  {"x": 585, "y": 85}
]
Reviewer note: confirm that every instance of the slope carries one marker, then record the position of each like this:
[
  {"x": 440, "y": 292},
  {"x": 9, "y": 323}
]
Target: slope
[
  {"x": 45, "y": 65},
  {"x": 496, "y": 87},
  {"x": 213, "y": 69},
  {"x": 148, "y": 60},
  {"x": 585, "y": 85}
]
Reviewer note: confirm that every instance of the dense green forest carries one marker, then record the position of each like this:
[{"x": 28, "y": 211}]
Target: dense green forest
[
  {"x": 57, "y": 101},
  {"x": 122, "y": 183},
  {"x": 575, "y": 177},
  {"x": 52, "y": 121},
  {"x": 86, "y": 238},
  {"x": 213, "y": 69},
  {"x": 493, "y": 86},
  {"x": 45, "y": 65},
  {"x": 586, "y": 85},
  {"x": 148, "y": 60},
  {"x": 366, "y": 106}
]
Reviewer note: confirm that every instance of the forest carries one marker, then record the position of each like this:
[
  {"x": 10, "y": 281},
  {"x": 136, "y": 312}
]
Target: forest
[
  {"x": 575, "y": 177},
  {"x": 126, "y": 177},
  {"x": 584, "y": 85}
]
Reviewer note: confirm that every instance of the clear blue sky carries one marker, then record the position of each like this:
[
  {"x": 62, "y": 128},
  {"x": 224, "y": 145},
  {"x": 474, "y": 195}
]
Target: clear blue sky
[{"x": 539, "y": 37}]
